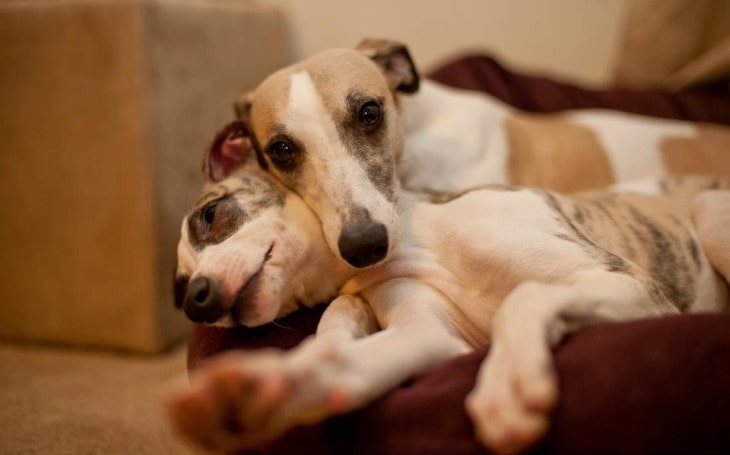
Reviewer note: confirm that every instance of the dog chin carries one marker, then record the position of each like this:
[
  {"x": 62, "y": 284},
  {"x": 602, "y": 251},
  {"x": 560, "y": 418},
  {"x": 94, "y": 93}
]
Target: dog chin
[{"x": 262, "y": 311}]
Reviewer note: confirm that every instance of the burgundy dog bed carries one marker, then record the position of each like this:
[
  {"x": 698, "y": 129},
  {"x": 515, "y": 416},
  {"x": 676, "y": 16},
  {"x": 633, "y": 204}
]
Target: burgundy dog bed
[{"x": 659, "y": 386}]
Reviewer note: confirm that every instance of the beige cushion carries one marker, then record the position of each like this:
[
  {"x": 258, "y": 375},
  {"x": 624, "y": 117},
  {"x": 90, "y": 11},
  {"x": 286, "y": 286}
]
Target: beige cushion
[
  {"x": 105, "y": 109},
  {"x": 674, "y": 43}
]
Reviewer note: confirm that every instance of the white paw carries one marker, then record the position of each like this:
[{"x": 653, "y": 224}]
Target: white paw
[
  {"x": 515, "y": 392},
  {"x": 241, "y": 400},
  {"x": 231, "y": 400}
]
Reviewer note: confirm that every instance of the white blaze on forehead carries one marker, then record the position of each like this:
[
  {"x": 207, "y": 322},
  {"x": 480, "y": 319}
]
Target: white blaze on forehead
[
  {"x": 334, "y": 179},
  {"x": 304, "y": 103}
]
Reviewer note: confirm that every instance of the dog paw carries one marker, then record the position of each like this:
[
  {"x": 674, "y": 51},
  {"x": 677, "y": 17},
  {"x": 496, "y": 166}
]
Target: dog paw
[
  {"x": 236, "y": 401},
  {"x": 514, "y": 395}
]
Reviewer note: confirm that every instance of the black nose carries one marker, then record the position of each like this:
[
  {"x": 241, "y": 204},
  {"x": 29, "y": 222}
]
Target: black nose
[
  {"x": 203, "y": 301},
  {"x": 364, "y": 245}
]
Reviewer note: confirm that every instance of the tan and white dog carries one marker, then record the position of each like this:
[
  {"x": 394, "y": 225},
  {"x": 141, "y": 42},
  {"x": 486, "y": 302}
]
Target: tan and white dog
[
  {"x": 344, "y": 127},
  {"x": 517, "y": 267}
]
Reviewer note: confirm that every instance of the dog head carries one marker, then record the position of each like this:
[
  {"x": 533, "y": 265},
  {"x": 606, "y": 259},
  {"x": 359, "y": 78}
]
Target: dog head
[
  {"x": 250, "y": 250},
  {"x": 329, "y": 129}
]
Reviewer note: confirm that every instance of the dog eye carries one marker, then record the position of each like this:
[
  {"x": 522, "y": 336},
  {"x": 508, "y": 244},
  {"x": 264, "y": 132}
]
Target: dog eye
[
  {"x": 369, "y": 114},
  {"x": 281, "y": 151},
  {"x": 209, "y": 213}
]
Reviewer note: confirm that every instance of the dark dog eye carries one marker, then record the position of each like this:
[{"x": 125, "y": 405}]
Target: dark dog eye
[
  {"x": 370, "y": 114},
  {"x": 281, "y": 152},
  {"x": 209, "y": 213}
]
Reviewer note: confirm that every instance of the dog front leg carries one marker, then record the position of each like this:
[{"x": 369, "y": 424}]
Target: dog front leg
[
  {"x": 517, "y": 387},
  {"x": 229, "y": 403},
  {"x": 348, "y": 317},
  {"x": 243, "y": 399}
]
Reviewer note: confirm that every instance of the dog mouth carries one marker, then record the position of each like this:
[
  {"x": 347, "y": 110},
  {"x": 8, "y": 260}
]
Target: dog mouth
[{"x": 248, "y": 291}]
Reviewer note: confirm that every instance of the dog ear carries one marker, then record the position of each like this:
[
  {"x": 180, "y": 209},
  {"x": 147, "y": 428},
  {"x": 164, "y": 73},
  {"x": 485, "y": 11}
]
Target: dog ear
[
  {"x": 395, "y": 61},
  {"x": 231, "y": 148}
]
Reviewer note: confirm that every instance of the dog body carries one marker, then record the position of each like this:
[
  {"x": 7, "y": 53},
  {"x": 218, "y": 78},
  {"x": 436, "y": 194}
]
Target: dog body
[
  {"x": 518, "y": 267},
  {"x": 457, "y": 139}
]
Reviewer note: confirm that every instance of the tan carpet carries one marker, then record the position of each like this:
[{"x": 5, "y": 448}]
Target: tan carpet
[{"x": 66, "y": 401}]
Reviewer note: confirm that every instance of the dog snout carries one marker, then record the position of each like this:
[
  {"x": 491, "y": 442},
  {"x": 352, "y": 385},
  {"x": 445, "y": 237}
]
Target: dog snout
[
  {"x": 203, "y": 302},
  {"x": 364, "y": 245}
]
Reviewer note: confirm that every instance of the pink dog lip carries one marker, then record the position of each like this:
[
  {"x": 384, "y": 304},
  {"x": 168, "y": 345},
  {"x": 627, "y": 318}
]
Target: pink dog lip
[{"x": 249, "y": 288}]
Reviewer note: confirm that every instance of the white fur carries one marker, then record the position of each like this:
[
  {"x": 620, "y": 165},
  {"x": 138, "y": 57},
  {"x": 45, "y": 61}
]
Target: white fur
[
  {"x": 454, "y": 139},
  {"x": 631, "y": 141}
]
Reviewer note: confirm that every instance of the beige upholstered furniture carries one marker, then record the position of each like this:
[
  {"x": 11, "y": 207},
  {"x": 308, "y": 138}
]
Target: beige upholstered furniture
[
  {"x": 674, "y": 44},
  {"x": 105, "y": 107}
]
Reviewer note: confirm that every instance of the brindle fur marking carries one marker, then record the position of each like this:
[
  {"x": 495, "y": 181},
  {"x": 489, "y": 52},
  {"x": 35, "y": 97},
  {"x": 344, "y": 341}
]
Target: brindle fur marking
[
  {"x": 229, "y": 216},
  {"x": 670, "y": 250},
  {"x": 668, "y": 269},
  {"x": 613, "y": 262},
  {"x": 259, "y": 194},
  {"x": 694, "y": 251}
]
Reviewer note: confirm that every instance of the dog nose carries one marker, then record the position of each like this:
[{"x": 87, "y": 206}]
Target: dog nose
[
  {"x": 203, "y": 301},
  {"x": 364, "y": 245}
]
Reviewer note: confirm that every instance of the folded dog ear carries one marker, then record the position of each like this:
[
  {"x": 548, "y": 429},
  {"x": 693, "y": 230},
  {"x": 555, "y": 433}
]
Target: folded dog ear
[
  {"x": 231, "y": 147},
  {"x": 395, "y": 61}
]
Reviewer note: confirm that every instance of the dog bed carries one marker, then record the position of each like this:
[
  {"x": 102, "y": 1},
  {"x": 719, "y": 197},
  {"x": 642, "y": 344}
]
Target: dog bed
[{"x": 657, "y": 386}]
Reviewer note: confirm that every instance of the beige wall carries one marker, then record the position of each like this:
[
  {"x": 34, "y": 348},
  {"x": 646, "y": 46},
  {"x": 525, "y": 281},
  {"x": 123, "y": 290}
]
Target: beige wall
[{"x": 574, "y": 38}]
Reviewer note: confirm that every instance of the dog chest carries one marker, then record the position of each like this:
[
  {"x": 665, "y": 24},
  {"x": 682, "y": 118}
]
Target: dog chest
[{"x": 486, "y": 242}]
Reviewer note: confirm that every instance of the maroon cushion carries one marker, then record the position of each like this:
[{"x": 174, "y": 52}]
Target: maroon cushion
[
  {"x": 710, "y": 103},
  {"x": 656, "y": 386}
]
